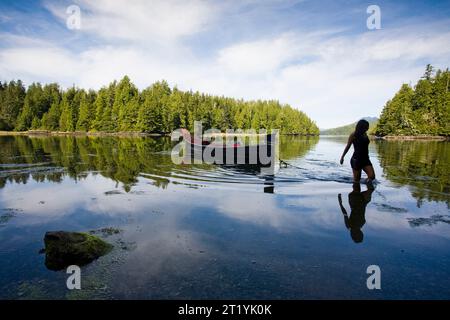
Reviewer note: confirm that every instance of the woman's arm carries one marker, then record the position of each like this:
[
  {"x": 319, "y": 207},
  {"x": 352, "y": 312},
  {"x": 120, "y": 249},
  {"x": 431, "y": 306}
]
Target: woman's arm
[
  {"x": 344, "y": 212},
  {"x": 347, "y": 147}
]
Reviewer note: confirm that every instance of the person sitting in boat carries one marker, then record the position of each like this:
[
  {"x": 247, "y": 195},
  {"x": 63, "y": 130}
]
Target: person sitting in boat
[{"x": 193, "y": 139}]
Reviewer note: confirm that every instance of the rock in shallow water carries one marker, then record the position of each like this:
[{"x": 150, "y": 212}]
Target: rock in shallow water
[{"x": 63, "y": 249}]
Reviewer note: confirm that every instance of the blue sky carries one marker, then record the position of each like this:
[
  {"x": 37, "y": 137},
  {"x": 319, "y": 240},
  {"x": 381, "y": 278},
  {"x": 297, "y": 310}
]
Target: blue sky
[{"x": 318, "y": 56}]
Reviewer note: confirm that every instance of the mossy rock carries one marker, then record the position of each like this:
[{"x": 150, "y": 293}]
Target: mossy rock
[{"x": 63, "y": 249}]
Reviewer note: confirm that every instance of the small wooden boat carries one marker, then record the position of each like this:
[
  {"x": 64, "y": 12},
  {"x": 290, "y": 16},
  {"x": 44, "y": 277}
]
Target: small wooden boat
[{"x": 261, "y": 154}]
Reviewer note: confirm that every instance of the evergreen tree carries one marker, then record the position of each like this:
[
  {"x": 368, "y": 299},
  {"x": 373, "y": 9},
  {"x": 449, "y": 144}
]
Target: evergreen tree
[
  {"x": 37, "y": 102},
  {"x": 69, "y": 109},
  {"x": 178, "y": 110},
  {"x": 86, "y": 113},
  {"x": 159, "y": 109},
  {"x": 126, "y": 105},
  {"x": 428, "y": 72},
  {"x": 12, "y": 97},
  {"x": 36, "y": 123},
  {"x": 422, "y": 110},
  {"x": 441, "y": 94},
  {"x": 155, "y": 101},
  {"x": 100, "y": 104},
  {"x": 50, "y": 120},
  {"x": 108, "y": 122},
  {"x": 397, "y": 115}
]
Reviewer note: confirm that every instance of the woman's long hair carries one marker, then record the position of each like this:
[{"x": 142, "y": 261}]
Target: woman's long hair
[{"x": 361, "y": 127}]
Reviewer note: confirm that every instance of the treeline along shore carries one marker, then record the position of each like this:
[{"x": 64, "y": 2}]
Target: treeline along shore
[
  {"x": 417, "y": 137},
  {"x": 419, "y": 112},
  {"x": 81, "y": 133},
  {"x": 121, "y": 109}
]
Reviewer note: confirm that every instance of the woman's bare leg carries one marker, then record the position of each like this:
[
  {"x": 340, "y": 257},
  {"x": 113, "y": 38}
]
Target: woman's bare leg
[
  {"x": 370, "y": 172},
  {"x": 370, "y": 176},
  {"x": 356, "y": 175}
]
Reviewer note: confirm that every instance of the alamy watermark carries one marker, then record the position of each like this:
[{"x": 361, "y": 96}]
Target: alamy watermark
[
  {"x": 373, "y": 22},
  {"x": 73, "y": 21},
  {"x": 74, "y": 280},
  {"x": 374, "y": 280}
]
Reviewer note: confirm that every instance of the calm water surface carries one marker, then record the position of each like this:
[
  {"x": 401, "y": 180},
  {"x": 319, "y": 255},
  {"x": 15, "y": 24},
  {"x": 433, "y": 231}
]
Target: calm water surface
[{"x": 212, "y": 232}]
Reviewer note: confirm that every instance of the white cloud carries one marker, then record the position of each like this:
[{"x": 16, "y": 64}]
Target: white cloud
[
  {"x": 140, "y": 20},
  {"x": 49, "y": 62},
  {"x": 258, "y": 57},
  {"x": 334, "y": 76},
  {"x": 345, "y": 77}
]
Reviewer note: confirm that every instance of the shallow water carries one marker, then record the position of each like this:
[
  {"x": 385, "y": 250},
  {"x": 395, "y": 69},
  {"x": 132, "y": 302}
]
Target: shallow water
[{"x": 215, "y": 232}]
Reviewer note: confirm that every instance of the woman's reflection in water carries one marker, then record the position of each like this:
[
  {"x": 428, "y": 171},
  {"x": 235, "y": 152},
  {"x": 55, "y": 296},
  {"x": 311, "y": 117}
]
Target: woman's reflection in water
[{"x": 358, "y": 202}]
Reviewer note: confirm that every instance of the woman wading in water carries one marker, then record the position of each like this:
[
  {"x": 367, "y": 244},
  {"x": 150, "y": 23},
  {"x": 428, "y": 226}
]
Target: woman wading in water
[{"x": 360, "y": 158}]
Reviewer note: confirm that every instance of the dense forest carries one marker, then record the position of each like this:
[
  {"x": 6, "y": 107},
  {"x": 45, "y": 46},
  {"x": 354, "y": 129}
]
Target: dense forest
[
  {"x": 122, "y": 107},
  {"x": 422, "y": 110},
  {"x": 349, "y": 128}
]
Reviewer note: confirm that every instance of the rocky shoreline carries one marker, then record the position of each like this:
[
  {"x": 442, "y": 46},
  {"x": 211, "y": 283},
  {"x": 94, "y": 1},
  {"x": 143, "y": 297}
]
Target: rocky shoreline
[
  {"x": 106, "y": 134},
  {"x": 80, "y": 133},
  {"x": 144, "y": 134},
  {"x": 418, "y": 137}
]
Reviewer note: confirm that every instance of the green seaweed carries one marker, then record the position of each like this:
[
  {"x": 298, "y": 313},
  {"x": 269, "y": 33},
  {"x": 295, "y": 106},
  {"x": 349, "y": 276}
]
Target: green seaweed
[{"x": 73, "y": 248}]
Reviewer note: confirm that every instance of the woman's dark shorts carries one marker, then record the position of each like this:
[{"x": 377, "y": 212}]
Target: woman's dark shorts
[{"x": 358, "y": 164}]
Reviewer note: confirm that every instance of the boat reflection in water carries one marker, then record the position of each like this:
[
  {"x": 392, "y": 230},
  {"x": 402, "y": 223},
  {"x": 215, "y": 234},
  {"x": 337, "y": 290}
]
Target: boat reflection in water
[
  {"x": 254, "y": 170},
  {"x": 258, "y": 153}
]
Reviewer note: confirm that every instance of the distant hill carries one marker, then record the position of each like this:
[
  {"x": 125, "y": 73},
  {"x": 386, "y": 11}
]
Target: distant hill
[{"x": 347, "y": 129}]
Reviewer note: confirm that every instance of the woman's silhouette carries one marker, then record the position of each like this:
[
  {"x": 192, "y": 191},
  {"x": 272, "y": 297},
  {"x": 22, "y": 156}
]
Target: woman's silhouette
[
  {"x": 358, "y": 202},
  {"x": 360, "y": 158}
]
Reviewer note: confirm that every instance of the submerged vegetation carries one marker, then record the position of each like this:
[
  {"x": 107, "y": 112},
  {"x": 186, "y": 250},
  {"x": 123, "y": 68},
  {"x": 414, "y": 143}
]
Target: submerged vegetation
[
  {"x": 63, "y": 249},
  {"x": 422, "y": 110},
  {"x": 121, "y": 107}
]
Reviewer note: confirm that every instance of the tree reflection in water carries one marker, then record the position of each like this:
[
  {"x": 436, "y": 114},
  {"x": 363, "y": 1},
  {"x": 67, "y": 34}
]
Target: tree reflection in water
[
  {"x": 121, "y": 159},
  {"x": 424, "y": 166}
]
